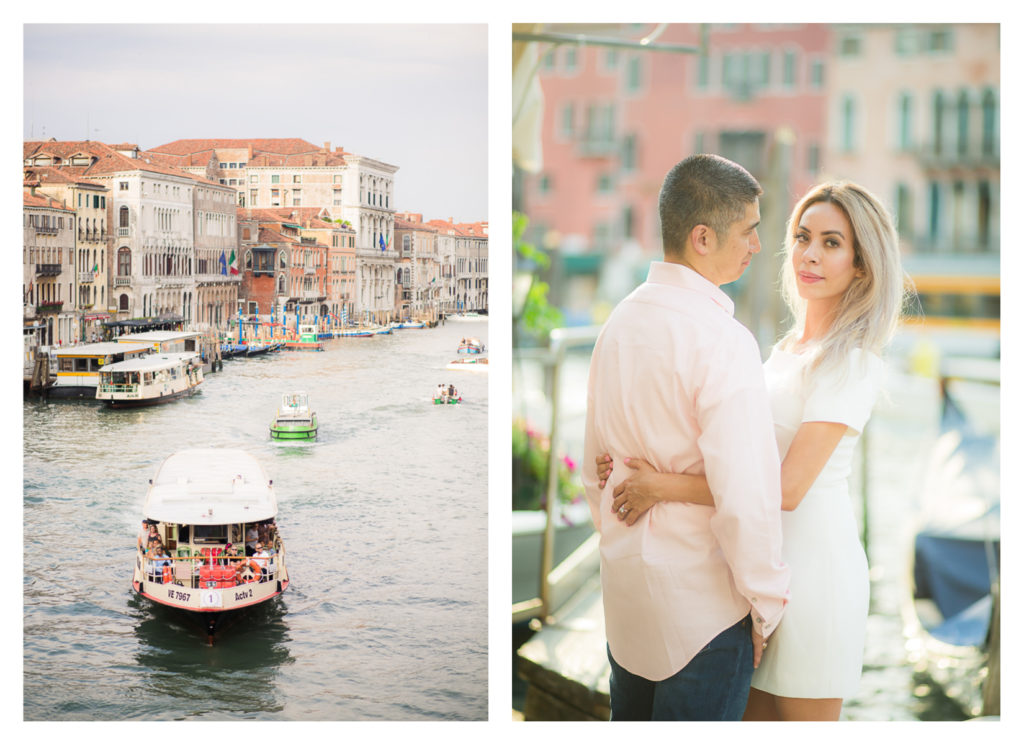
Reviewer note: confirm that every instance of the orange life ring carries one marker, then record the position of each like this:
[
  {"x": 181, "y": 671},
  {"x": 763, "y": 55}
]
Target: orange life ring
[{"x": 254, "y": 574}]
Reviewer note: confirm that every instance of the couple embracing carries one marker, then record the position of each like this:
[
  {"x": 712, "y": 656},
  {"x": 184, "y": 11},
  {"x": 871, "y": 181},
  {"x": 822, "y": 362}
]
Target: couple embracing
[{"x": 734, "y": 582}]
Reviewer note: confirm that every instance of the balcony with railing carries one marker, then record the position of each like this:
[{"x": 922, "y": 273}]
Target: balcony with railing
[
  {"x": 46, "y": 230},
  {"x": 84, "y": 277},
  {"x": 122, "y": 281},
  {"x": 47, "y": 270},
  {"x": 53, "y": 306}
]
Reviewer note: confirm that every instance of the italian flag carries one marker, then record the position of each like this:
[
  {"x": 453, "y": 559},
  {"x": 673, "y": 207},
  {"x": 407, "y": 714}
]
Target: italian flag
[{"x": 233, "y": 262}]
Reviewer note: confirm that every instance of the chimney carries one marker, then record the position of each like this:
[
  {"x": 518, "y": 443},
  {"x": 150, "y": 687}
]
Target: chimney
[{"x": 327, "y": 146}]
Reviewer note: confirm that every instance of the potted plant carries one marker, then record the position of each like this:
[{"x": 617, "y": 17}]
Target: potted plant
[{"x": 531, "y": 451}]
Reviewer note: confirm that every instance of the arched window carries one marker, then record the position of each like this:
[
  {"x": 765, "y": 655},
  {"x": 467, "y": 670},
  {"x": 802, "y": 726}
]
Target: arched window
[
  {"x": 123, "y": 217},
  {"x": 281, "y": 260},
  {"x": 122, "y": 303},
  {"x": 124, "y": 262},
  {"x": 248, "y": 260}
]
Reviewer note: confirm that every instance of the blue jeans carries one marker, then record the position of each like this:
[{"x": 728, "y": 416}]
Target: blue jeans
[{"x": 713, "y": 686}]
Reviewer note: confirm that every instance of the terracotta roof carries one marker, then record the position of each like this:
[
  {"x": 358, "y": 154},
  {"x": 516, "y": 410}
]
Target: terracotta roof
[
  {"x": 108, "y": 159},
  {"x": 402, "y": 224},
  {"x": 277, "y": 160},
  {"x": 41, "y": 200},
  {"x": 60, "y": 175},
  {"x": 269, "y": 235},
  {"x": 307, "y": 217},
  {"x": 290, "y": 146}
]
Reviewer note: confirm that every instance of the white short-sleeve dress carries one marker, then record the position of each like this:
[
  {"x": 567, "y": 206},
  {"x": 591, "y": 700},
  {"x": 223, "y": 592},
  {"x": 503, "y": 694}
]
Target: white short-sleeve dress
[{"x": 818, "y": 648}]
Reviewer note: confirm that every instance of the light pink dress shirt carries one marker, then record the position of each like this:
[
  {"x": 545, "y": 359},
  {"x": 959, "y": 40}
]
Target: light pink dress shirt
[{"x": 676, "y": 380}]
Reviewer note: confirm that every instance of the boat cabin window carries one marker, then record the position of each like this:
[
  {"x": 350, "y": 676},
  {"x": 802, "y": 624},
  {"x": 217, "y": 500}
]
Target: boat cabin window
[
  {"x": 66, "y": 364},
  {"x": 210, "y": 534},
  {"x": 82, "y": 364},
  {"x": 147, "y": 378}
]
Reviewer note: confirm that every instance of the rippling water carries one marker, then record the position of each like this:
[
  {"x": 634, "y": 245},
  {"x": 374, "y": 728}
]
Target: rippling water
[{"x": 384, "y": 517}]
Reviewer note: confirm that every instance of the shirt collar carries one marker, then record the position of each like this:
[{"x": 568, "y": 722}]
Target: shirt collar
[{"x": 677, "y": 275}]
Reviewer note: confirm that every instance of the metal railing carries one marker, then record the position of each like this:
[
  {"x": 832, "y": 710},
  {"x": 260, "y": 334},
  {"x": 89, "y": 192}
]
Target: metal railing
[
  {"x": 557, "y": 583},
  {"x": 185, "y": 569}
]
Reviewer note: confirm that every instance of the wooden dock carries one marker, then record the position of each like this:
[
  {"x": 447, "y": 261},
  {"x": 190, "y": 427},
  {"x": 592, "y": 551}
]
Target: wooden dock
[{"x": 565, "y": 664}]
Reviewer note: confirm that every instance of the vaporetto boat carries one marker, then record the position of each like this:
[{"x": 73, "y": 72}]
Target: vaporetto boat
[
  {"x": 78, "y": 367},
  {"x": 294, "y": 419},
  {"x": 149, "y": 380},
  {"x": 210, "y": 508}
]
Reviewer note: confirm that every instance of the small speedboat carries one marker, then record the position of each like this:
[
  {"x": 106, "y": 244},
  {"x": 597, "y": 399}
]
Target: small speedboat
[
  {"x": 294, "y": 419},
  {"x": 408, "y": 325},
  {"x": 471, "y": 364},
  {"x": 446, "y": 399},
  {"x": 471, "y": 346},
  {"x": 203, "y": 506}
]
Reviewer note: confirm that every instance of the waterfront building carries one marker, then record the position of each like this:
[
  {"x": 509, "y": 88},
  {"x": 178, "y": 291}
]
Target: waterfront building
[
  {"x": 151, "y": 214},
  {"x": 616, "y": 119},
  {"x": 418, "y": 274},
  {"x": 327, "y": 263},
  {"x": 914, "y": 115},
  {"x": 463, "y": 254},
  {"x": 266, "y": 173},
  {"x": 88, "y": 199},
  {"x": 294, "y": 264},
  {"x": 293, "y": 173},
  {"x": 48, "y": 281},
  {"x": 446, "y": 240}
]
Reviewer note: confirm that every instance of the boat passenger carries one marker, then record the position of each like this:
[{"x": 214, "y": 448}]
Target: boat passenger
[
  {"x": 271, "y": 563},
  {"x": 262, "y": 559},
  {"x": 158, "y": 559},
  {"x": 252, "y": 536}
]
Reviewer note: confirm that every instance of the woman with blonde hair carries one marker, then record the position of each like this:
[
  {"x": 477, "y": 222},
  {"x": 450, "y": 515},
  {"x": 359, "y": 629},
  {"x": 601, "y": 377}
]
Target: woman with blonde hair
[{"x": 844, "y": 284}]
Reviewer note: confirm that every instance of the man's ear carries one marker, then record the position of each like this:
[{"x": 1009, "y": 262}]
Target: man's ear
[{"x": 702, "y": 239}]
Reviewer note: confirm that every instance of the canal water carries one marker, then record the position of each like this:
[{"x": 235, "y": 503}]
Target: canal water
[
  {"x": 898, "y": 444},
  {"x": 384, "y": 518}
]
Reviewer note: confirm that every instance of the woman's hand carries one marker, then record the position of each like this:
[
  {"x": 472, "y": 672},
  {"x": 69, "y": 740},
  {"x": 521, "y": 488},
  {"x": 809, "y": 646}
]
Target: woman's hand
[
  {"x": 604, "y": 468},
  {"x": 634, "y": 496}
]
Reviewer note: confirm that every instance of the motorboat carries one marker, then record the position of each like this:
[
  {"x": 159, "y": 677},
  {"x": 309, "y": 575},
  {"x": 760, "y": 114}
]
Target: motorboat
[
  {"x": 78, "y": 367},
  {"x": 294, "y": 419},
  {"x": 447, "y": 398},
  {"x": 149, "y": 380},
  {"x": 951, "y": 609},
  {"x": 309, "y": 339},
  {"x": 467, "y": 316},
  {"x": 408, "y": 325},
  {"x": 471, "y": 346},
  {"x": 471, "y": 364},
  {"x": 208, "y": 508}
]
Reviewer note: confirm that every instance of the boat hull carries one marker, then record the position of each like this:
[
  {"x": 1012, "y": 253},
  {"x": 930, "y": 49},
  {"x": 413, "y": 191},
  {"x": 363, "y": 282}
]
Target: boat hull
[
  {"x": 284, "y": 431},
  {"x": 134, "y": 403},
  {"x": 449, "y": 401}
]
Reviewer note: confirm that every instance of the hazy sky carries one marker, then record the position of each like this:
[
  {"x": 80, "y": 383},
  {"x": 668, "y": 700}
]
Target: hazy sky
[{"x": 414, "y": 96}]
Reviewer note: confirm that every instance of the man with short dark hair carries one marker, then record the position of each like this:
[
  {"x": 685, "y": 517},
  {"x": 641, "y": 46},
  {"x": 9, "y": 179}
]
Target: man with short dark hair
[{"x": 690, "y": 592}]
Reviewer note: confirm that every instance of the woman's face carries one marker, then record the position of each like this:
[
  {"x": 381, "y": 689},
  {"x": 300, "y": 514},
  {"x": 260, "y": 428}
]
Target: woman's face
[{"x": 823, "y": 254}]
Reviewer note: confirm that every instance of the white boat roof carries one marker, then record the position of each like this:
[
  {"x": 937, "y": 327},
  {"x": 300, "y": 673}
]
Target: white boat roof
[
  {"x": 149, "y": 362},
  {"x": 210, "y": 486},
  {"x": 157, "y": 336},
  {"x": 101, "y": 349}
]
